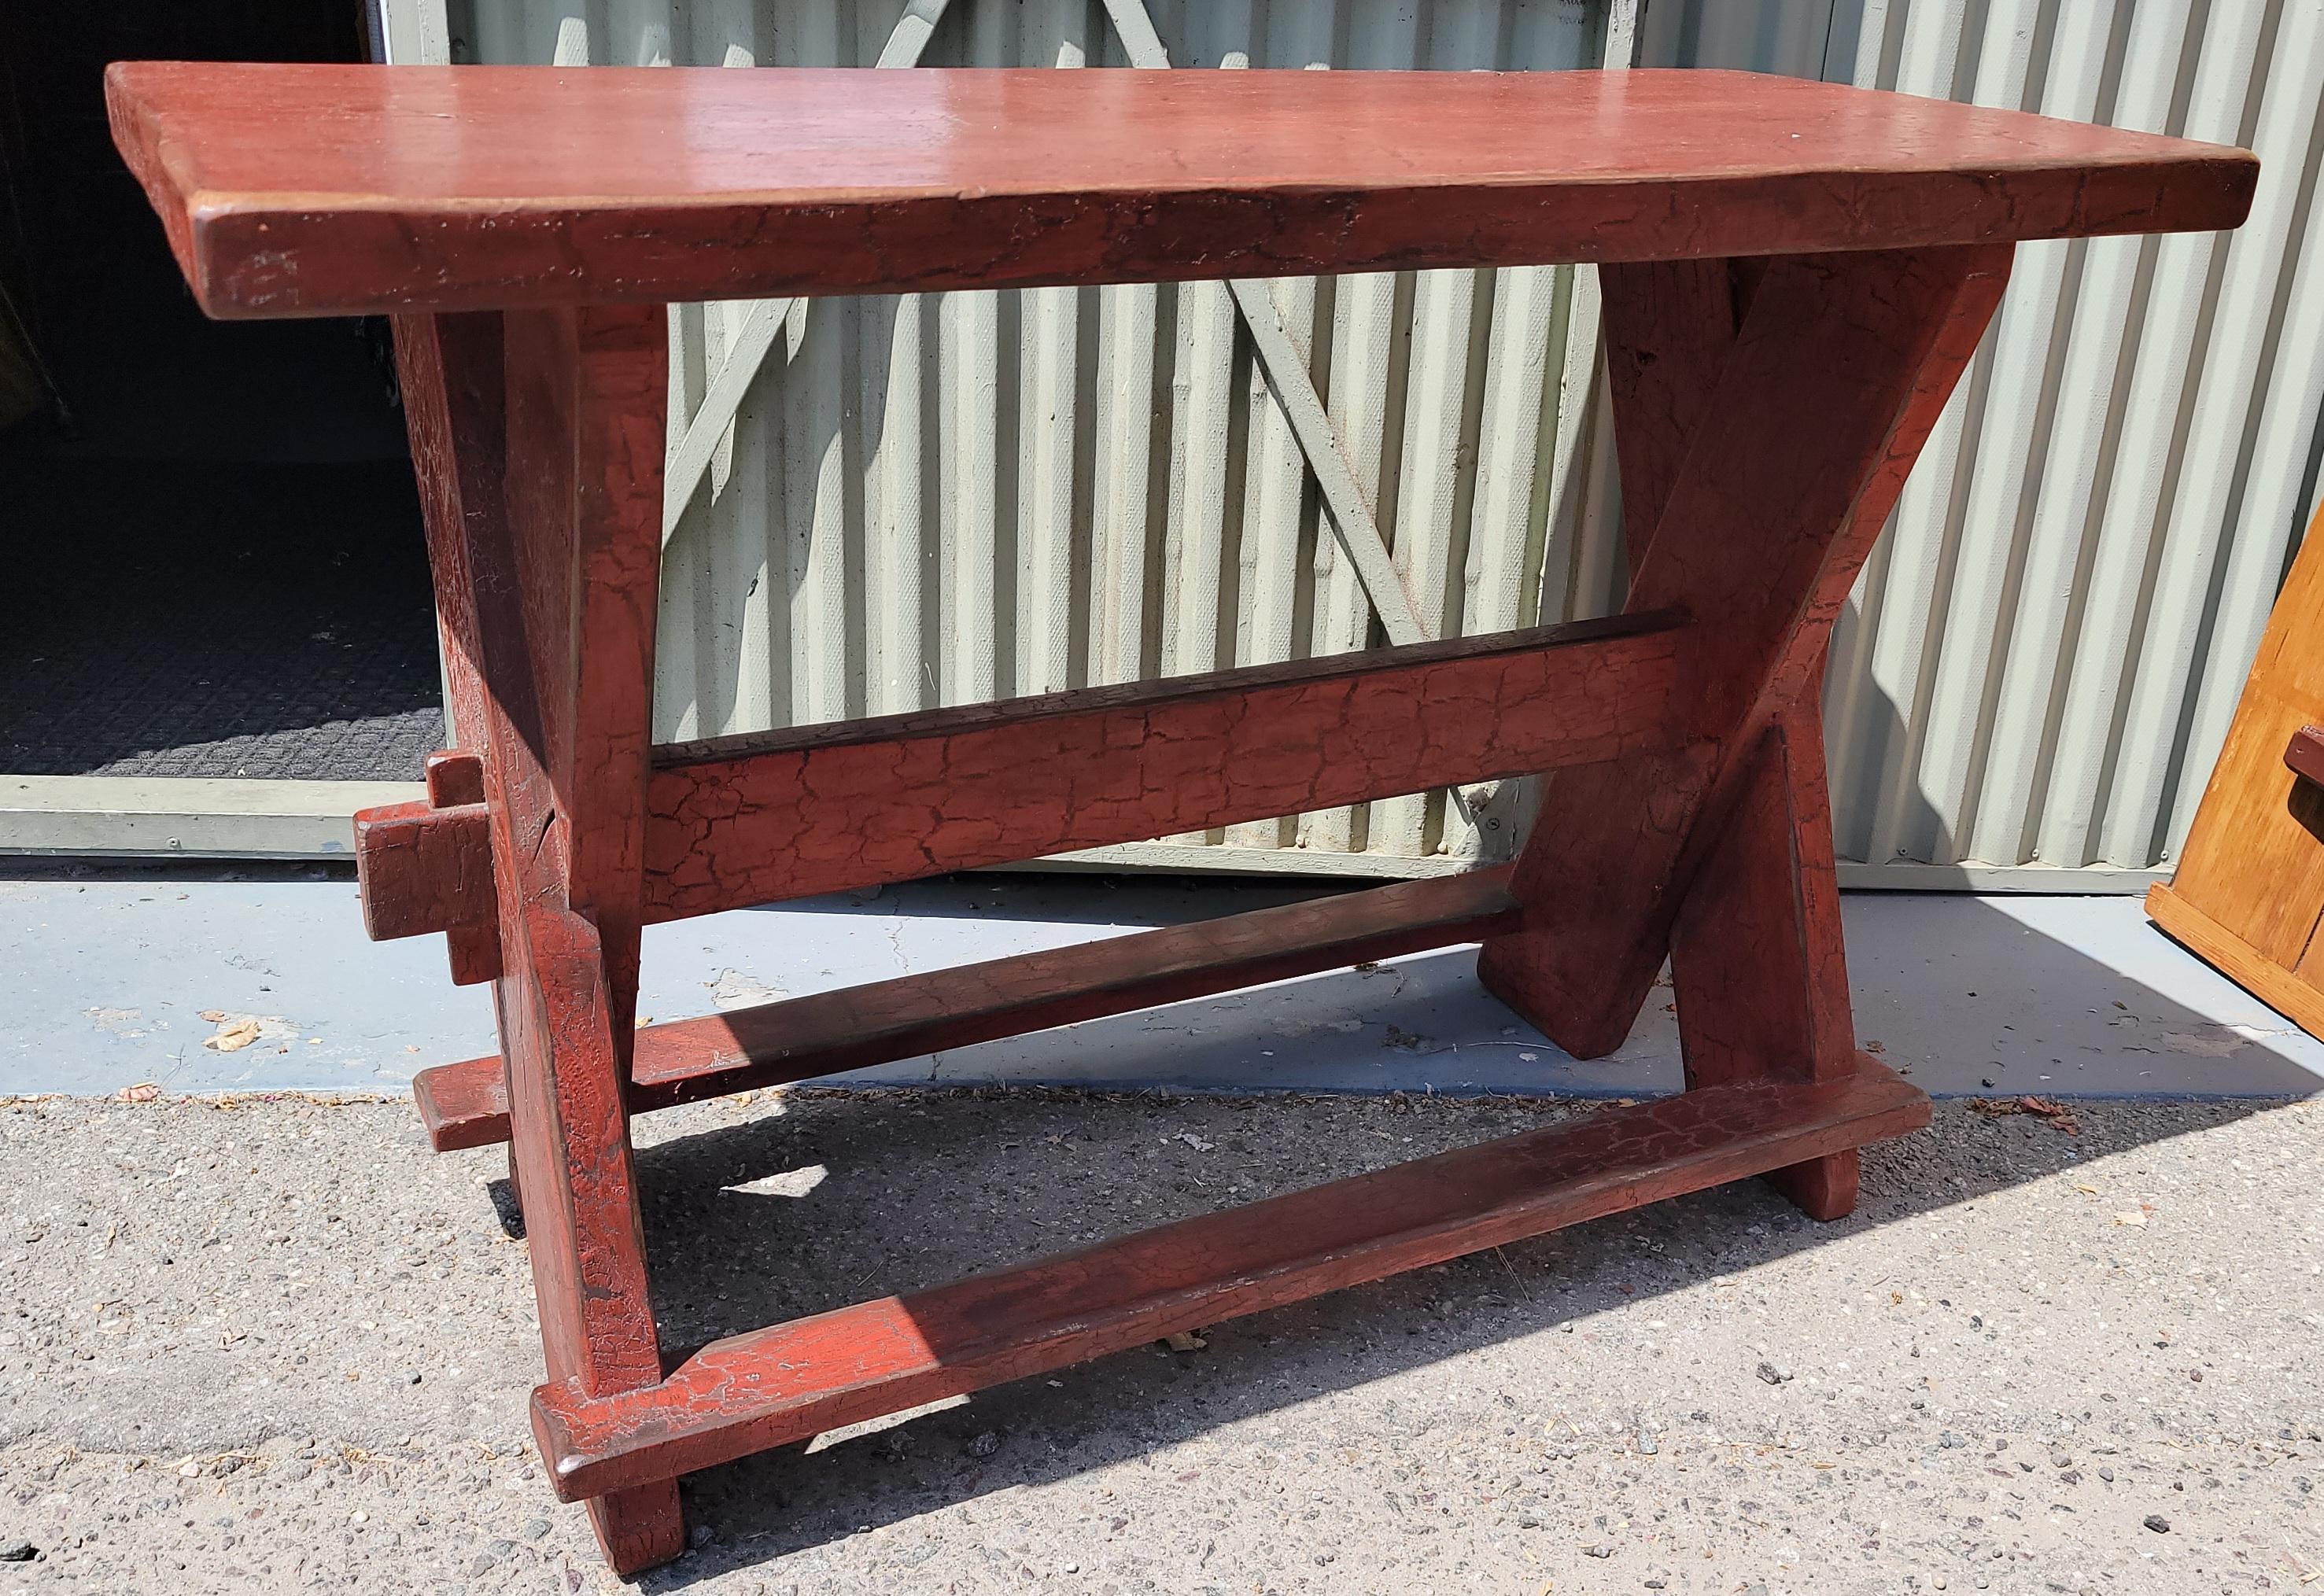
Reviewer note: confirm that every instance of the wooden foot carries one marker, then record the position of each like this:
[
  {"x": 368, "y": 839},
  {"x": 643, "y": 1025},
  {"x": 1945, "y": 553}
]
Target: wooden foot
[
  {"x": 1821, "y": 1188},
  {"x": 640, "y": 1527}
]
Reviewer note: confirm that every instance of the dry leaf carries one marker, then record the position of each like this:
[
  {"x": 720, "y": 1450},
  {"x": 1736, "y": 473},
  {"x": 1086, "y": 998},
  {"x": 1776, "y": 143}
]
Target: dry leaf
[
  {"x": 143, "y": 1091},
  {"x": 233, "y": 1036},
  {"x": 1184, "y": 1341},
  {"x": 2056, "y": 1114}
]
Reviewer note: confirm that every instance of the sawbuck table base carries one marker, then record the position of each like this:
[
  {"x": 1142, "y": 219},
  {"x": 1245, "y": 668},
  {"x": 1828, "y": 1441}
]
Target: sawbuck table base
[
  {"x": 1785, "y": 316},
  {"x": 1668, "y": 781}
]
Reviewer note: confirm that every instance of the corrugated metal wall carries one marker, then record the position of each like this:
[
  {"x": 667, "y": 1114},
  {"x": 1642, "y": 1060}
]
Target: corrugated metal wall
[
  {"x": 947, "y": 498},
  {"x": 2042, "y": 660}
]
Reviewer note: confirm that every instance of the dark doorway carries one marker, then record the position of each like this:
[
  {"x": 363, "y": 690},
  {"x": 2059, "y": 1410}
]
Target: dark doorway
[{"x": 216, "y": 543}]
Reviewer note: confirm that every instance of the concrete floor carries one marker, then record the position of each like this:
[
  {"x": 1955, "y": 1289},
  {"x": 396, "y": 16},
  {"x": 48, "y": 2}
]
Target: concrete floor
[
  {"x": 112, "y": 970},
  {"x": 263, "y": 1341},
  {"x": 276, "y": 1347}
]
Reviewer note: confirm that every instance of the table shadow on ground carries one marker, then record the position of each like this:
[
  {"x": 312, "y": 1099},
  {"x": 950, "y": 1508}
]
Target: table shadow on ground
[{"x": 815, "y": 1199}]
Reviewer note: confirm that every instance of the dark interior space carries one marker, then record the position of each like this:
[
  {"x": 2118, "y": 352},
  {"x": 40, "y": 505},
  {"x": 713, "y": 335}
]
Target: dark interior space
[{"x": 217, "y": 560}]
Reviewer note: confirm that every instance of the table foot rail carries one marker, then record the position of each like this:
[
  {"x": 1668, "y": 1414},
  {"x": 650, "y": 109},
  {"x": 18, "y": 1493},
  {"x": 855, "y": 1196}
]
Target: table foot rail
[{"x": 788, "y": 1382}]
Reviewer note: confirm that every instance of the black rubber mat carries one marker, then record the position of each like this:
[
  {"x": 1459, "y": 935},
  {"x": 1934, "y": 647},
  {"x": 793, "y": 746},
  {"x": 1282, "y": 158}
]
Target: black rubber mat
[{"x": 174, "y": 618}]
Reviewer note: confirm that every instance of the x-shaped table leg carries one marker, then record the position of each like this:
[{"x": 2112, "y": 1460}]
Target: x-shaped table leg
[
  {"x": 1771, "y": 450},
  {"x": 1766, "y": 414}
]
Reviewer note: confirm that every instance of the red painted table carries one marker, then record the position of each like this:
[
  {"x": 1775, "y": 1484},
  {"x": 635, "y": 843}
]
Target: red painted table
[{"x": 1795, "y": 275}]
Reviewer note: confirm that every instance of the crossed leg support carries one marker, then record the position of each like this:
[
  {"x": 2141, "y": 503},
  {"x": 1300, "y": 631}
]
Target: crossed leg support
[{"x": 1768, "y": 414}]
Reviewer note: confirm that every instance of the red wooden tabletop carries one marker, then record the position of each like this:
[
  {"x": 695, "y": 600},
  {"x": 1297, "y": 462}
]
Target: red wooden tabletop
[{"x": 296, "y": 189}]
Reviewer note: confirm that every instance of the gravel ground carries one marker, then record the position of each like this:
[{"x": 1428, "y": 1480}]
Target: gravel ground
[{"x": 263, "y": 1345}]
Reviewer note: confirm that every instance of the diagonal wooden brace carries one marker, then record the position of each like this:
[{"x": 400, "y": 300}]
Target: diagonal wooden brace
[
  {"x": 746, "y": 355},
  {"x": 1779, "y": 480},
  {"x": 465, "y": 1104}
]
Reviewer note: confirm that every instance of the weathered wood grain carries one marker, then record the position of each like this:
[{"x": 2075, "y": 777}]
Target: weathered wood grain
[
  {"x": 465, "y": 1104},
  {"x": 1840, "y": 368},
  {"x": 2253, "y": 861},
  {"x": 827, "y": 808},
  {"x": 2248, "y": 892},
  {"x": 824, "y": 810},
  {"x": 455, "y": 779},
  {"x": 456, "y": 456},
  {"x": 557, "y": 534},
  {"x": 791, "y": 1381},
  {"x": 305, "y": 190},
  {"x": 1758, "y": 965},
  {"x": 1756, "y": 961},
  {"x": 1770, "y": 404},
  {"x": 1669, "y": 329},
  {"x": 420, "y": 869},
  {"x": 2228, "y": 951}
]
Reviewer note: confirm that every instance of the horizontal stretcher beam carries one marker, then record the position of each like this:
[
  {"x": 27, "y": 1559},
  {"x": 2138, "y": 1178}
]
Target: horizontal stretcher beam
[
  {"x": 830, "y": 808},
  {"x": 465, "y": 1104},
  {"x": 793, "y": 1382}
]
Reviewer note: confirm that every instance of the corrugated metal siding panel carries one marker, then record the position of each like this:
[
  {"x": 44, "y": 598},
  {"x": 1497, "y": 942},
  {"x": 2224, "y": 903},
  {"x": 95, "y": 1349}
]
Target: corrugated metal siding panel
[
  {"x": 2039, "y": 665},
  {"x": 941, "y": 499},
  {"x": 1788, "y": 36},
  {"x": 933, "y": 498}
]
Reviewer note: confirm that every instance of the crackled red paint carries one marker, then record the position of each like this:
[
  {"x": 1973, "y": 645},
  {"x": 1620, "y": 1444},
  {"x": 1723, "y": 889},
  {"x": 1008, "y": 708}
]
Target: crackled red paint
[
  {"x": 1837, "y": 372},
  {"x": 455, "y": 779},
  {"x": 790, "y": 814},
  {"x": 1799, "y": 273},
  {"x": 313, "y": 190},
  {"x": 784, "y": 1384},
  {"x": 1756, "y": 961},
  {"x": 465, "y": 1104},
  {"x": 516, "y": 539},
  {"x": 423, "y": 869},
  {"x": 456, "y": 454},
  {"x": 794, "y": 814}
]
